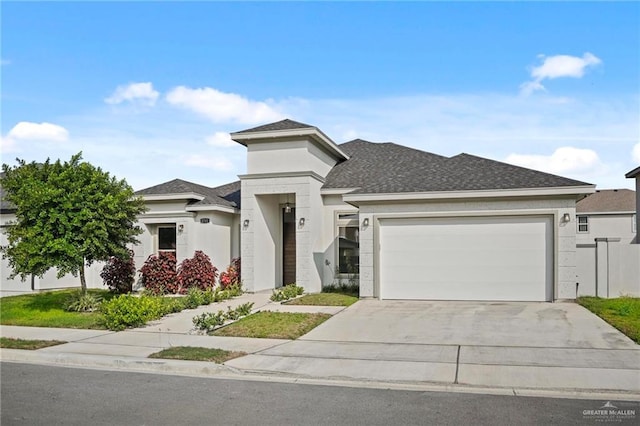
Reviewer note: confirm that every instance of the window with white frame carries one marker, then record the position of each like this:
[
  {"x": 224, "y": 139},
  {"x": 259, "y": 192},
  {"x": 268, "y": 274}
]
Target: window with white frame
[
  {"x": 167, "y": 239},
  {"x": 348, "y": 243},
  {"x": 583, "y": 224}
]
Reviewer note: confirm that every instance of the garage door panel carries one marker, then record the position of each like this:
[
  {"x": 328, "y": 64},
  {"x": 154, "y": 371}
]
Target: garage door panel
[{"x": 492, "y": 258}]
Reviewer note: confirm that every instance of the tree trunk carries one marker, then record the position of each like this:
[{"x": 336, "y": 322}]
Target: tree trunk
[{"x": 83, "y": 281}]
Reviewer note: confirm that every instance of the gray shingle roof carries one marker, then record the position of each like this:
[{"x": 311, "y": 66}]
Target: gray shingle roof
[
  {"x": 608, "y": 200},
  {"x": 285, "y": 124},
  {"x": 225, "y": 195},
  {"x": 390, "y": 168}
]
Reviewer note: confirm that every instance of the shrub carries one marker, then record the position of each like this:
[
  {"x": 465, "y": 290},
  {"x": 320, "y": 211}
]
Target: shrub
[
  {"x": 234, "y": 290},
  {"x": 82, "y": 302},
  {"x": 244, "y": 309},
  {"x": 197, "y": 272},
  {"x": 171, "y": 305},
  {"x": 129, "y": 311},
  {"x": 194, "y": 298},
  {"x": 209, "y": 320},
  {"x": 119, "y": 274},
  {"x": 287, "y": 292},
  {"x": 231, "y": 276},
  {"x": 158, "y": 274}
]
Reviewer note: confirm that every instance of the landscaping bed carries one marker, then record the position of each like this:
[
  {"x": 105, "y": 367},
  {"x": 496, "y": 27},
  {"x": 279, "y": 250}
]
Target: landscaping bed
[
  {"x": 9, "y": 343},
  {"x": 324, "y": 299},
  {"x": 190, "y": 353},
  {"x": 623, "y": 313}
]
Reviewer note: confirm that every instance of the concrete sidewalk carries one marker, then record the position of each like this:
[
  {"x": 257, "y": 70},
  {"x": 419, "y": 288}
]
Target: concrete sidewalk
[{"x": 565, "y": 371}]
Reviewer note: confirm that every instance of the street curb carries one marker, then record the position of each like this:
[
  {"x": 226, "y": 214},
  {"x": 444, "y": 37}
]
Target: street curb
[{"x": 212, "y": 370}]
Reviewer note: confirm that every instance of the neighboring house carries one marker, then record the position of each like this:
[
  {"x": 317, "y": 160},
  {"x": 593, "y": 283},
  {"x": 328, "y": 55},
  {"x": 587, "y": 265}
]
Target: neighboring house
[
  {"x": 406, "y": 224},
  {"x": 608, "y": 260},
  {"x": 635, "y": 174}
]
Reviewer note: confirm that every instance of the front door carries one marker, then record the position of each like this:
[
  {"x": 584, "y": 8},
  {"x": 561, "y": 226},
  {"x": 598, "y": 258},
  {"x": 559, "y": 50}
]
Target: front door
[{"x": 288, "y": 246}]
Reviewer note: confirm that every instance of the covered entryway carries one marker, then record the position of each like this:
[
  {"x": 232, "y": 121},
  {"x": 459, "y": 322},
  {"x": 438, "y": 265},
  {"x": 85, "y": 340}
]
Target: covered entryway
[
  {"x": 288, "y": 246},
  {"x": 467, "y": 258}
]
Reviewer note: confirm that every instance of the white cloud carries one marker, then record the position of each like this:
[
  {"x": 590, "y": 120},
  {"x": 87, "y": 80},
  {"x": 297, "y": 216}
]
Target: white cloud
[
  {"x": 7, "y": 145},
  {"x": 635, "y": 154},
  {"x": 558, "y": 66},
  {"x": 222, "y": 107},
  {"x": 220, "y": 139},
  {"x": 26, "y": 130},
  {"x": 564, "y": 160},
  {"x": 142, "y": 93},
  {"x": 210, "y": 161}
]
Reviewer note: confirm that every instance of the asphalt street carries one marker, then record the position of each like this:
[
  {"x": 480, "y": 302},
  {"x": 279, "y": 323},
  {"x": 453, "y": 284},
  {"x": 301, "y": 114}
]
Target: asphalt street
[{"x": 37, "y": 394}]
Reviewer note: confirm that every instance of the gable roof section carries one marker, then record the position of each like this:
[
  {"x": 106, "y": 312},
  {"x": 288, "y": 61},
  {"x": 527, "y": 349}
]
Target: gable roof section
[
  {"x": 200, "y": 195},
  {"x": 608, "y": 201},
  {"x": 633, "y": 173},
  {"x": 383, "y": 168}
]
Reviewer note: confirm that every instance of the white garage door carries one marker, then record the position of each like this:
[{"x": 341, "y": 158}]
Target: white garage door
[{"x": 473, "y": 258}]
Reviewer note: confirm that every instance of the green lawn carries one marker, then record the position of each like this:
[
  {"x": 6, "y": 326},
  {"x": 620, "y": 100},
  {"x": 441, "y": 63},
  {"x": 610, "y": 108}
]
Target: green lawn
[
  {"x": 9, "y": 343},
  {"x": 190, "y": 353},
  {"x": 623, "y": 313},
  {"x": 324, "y": 299},
  {"x": 273, "y": 325},
  {"x": 46, "y": 310}
]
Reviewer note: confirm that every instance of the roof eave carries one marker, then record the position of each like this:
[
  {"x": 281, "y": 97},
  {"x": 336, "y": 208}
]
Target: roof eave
[
  {"x": 213, "y": 207},
  {"x": 172, "y": 197},
  {"x": 492, "y": 193},
  {"x": 633, "y": 173},
  {"x": 313, "y": 132}
]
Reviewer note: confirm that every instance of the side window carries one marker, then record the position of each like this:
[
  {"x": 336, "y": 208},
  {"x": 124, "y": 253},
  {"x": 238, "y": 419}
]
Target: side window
[
  {"x": 348, "y": 243},
  {"x": 583, "y": 224},
  {"x": 167, "y": 239}
]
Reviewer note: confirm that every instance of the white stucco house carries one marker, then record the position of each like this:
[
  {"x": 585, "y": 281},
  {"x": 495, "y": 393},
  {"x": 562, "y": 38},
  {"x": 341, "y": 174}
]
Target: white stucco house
[{"x": 406, "y": 224}]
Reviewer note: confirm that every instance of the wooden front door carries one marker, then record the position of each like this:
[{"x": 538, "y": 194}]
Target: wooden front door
[{"x": 288, "y": 247}]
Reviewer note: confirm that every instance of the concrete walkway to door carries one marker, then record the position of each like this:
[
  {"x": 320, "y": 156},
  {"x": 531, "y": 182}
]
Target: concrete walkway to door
[{"x": 501, "y": 344}]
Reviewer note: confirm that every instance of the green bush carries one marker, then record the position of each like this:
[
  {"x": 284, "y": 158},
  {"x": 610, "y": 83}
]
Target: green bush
[
  {"x": 82, "y": 302},
  {"x": 208, "y": 321},
  {"x": 171, "y": 305},
  {"x": 129, "y": 311},
  {"x": 194, "y": 298},
  {"x": 287, "y": 292},
  {"x": 244, "y": 309}
]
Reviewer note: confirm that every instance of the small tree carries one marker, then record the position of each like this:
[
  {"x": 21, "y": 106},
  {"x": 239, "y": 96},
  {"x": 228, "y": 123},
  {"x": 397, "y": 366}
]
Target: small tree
[
  {"x": 68, "y": 215},
  {"x": 119, "y": 274},
  {"x": 158, "y": 274},
  {"x": 197, "y": 272}
]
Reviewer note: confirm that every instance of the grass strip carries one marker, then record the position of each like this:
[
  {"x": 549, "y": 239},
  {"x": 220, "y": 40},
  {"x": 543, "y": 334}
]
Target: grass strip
[
  {"x": 623, "y": 313},
  {"x": 324, "y": 299},
  {"x": 10, "y": 343},
  {"x": 273, "y": 325},
  {"x": 192, "y": 353}
]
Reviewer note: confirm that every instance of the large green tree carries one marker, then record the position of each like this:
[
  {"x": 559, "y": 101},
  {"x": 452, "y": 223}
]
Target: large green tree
[{"x": 68, "y": 215}]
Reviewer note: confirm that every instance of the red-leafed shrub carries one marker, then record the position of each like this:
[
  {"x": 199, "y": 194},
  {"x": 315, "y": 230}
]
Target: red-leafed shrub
[
  {"x": 197, "y": 272},
  {"x": 232, "y": 275},
  {"x": 119, "y": 274},
  {"x": 158, "y": 274}
]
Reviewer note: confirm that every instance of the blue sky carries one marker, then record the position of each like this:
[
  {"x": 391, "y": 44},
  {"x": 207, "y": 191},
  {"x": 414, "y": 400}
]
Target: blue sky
[{"x": 149, "y": 91}]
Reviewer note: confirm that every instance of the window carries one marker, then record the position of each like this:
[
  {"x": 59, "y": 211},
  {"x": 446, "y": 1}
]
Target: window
[
  {"x": 167, "y": 239},
  {"x": 348, "y": 243},
  {"x": 583, "y": 224}
]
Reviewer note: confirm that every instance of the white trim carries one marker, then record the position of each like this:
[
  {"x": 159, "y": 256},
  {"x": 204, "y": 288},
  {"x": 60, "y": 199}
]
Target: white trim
[
  {"x": 336, "y": 191},
  {"x": 494, "y": 193},
  {"x": 213, "y": 207},
  {"x": 246, "y": 137},
  {"x": 277, "y": 175},
  {"x": 173, "y": 196},
  {"x": 163, "y": 217},
  {"x": 619, "y": 213}
]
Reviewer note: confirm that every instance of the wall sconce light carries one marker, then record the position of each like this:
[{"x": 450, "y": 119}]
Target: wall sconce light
[
  {"x": 181, "y": 227},
  {"x": 566, "y": 217},
  {"x": 301, "y": 221},
  {"x": 246, "y": 223},
  {"x": 365, "y": 222}
]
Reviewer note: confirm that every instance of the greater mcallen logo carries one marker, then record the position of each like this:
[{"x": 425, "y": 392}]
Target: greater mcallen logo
[{"x": 609, "y": 413}]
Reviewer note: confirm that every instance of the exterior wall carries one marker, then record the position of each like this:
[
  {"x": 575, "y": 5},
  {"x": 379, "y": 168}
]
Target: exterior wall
[
  {"x": 637, "y": 207},
  {"x": 607, "y": 225},
  {"x": 49, "y": 281},
  {"x": 327, "y": 251},
  {"x": 286, "y": 157},
  {"x": 564, "y": 233},
  {"x": 261, "y": 241}
]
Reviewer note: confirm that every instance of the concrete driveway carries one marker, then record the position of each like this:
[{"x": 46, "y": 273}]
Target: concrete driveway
[{"x": 515, "y": 345}]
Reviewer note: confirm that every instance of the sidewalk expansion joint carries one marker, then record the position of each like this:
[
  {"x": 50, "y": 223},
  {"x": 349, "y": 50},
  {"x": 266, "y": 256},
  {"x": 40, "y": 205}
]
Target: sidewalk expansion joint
[{"x": 455, "y": 381}]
